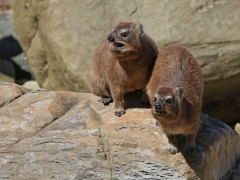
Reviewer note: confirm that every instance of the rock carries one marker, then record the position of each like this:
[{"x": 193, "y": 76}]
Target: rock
[
  {"x": 67, "y": 135},
  {"x": 11, "y": 72},
  {"x": 12, "y": 53},
  {"x": 9, "y": 92},
  {"x": 33, "y": 85},
  {"x": 22, "y": 61},
  {"x": 13, "y": 69},
  {"x": 4, "y": 78},
  {"x": 5, "y": 5},
  {"x": 9, "y": 47},
  {"x": 6, "y": 23},
  {"x": 7, "y": 73},
  {"x": 6, "y": 29},
  {"x": 60, "y": 45},
  {"x": 237, "y": 128}
]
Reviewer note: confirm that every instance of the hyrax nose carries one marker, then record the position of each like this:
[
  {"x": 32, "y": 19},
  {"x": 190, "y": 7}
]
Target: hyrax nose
[
  {"x": 110, "y": 38},
  {"x": 157, "y": 105}
]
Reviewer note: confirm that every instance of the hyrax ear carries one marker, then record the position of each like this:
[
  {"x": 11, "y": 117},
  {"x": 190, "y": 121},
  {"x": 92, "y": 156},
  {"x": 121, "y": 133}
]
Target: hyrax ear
[
  {"x": 140, "y": 27},
  {"x": 179, "y": 92}
]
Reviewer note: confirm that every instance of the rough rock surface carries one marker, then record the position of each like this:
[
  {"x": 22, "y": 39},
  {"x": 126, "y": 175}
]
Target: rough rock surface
[
  {"x": 32, "y": 85},
  {"x": 59, "y": 38},
  {"x": 237, "y": 128},
  {"x": 67, "y": 135}
]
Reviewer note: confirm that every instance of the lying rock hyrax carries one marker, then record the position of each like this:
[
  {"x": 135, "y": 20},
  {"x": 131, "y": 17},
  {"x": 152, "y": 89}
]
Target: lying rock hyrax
[
  {"x": 123, "y": 62},
  {"x": 175, "y": 91}
]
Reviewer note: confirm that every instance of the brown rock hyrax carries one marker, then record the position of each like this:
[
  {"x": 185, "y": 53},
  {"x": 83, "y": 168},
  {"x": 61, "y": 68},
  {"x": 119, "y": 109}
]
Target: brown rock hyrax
[
  {"x": 122, "y": 63},
  {"x": 175, "y": 92}
]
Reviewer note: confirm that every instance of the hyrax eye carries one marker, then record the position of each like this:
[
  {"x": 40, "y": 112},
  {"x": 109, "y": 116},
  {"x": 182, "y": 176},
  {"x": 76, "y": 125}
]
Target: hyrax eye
[
  {"x": 169, "y": 101},
  {"x": 124, "y": 34}
]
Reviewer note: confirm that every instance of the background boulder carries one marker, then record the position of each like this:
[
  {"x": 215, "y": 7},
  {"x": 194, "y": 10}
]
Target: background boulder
[{"x": 59, "y": 38}]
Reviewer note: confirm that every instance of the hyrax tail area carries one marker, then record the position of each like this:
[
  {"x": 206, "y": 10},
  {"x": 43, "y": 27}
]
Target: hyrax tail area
[
  {"x": 123, "y": 62},
  {"x": 175, "y": 92}
]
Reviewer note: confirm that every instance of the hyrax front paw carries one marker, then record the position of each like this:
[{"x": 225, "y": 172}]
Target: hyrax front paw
[
  {"x": 172, "y": 149},
  {"x": 120, "y": 112},
  {"x": 106, "y": 101}
]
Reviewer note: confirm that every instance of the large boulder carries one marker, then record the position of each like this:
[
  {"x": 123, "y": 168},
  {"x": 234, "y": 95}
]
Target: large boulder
[
  {"x": 60, "y": 37},
  {"x": 67, "y": 135}
]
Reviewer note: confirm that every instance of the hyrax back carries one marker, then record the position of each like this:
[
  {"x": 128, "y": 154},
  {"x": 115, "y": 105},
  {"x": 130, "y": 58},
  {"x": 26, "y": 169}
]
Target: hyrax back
[
  {"x": 123, "y": 62},
  {"x": 175, "y": 92}
]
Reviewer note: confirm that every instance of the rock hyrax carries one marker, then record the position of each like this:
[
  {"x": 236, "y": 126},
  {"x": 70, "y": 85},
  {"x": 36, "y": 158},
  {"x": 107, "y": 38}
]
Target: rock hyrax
[
  {"x": 122, "y": 63},
  {"x": 175, "y": 92}
]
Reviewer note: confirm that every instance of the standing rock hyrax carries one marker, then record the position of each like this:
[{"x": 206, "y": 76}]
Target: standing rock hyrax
[
  {"x": 175, "y": 92},
  {"x": 122, "y": 63}
]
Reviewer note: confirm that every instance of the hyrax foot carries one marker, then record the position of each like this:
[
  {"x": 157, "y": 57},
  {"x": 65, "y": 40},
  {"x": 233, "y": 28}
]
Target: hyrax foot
[
  {"x": 190, "y": 143},
  {"x": 190, "y": 149},
  {"x": 120, "y": 112},
  {"x": 172, "y": 149},
  {"x": 106, "y": 101}
]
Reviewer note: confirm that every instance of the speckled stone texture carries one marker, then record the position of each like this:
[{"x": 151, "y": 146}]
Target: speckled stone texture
[{"x": 66, "y": 135}]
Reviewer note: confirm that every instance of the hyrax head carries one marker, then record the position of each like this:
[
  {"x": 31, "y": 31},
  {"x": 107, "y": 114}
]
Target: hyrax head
[
  {"x": 125, "y": 40},
  {"x": 167, "y": 102}
]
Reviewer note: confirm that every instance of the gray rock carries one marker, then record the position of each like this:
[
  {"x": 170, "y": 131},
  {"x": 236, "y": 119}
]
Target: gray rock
[
  {"x": 33, "y": 85},
  {"x": 4, "y": 78},
  {"x": 67, "y": 135},
  {"x": 7, "y": 30},
  {"x": 22, "y": 61},
  {"x": 6, "y": 24}
]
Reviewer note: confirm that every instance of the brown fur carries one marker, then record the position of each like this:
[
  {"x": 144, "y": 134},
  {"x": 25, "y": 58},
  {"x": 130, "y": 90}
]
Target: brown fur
[
  {"x": 116, "y": 70},
  {"x": 175, "y": 92}
]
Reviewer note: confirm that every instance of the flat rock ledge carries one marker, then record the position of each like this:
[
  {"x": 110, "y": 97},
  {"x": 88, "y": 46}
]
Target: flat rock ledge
[{"x": 67, "y": 135}]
